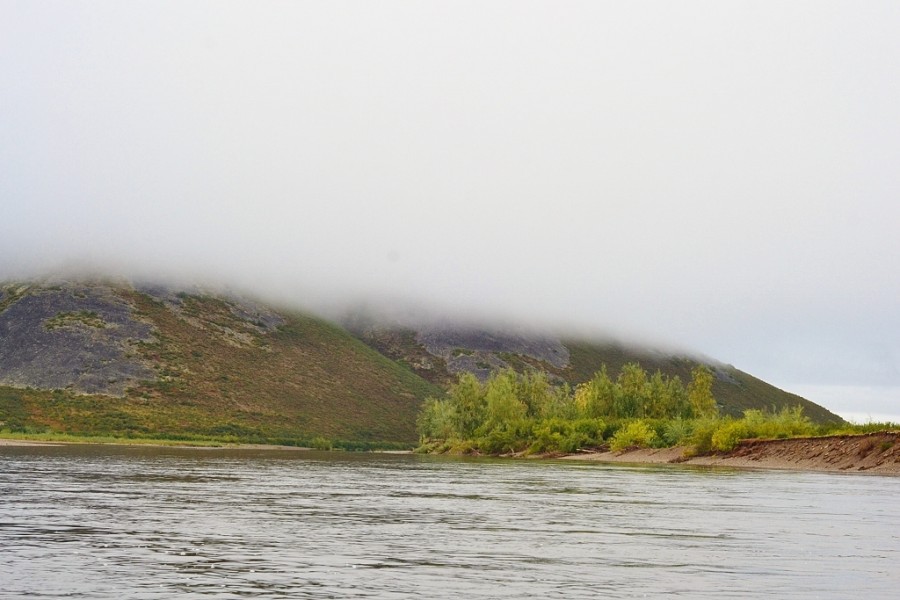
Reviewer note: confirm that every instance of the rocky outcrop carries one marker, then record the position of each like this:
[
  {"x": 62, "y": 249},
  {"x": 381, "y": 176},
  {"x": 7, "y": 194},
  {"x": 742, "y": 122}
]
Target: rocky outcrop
[
  {"x": 247, "y": 310},
  {"x": 439, "y": 350},
  {"x": 483, "y": 351},
  {"x": 83, "y": 336},
  {"x": 116, "y": 358},
  {"x": 71, "y": 336}
]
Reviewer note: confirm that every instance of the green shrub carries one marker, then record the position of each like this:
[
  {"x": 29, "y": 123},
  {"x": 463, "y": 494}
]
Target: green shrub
[
  {"x": 548, "y": 435},
  {"x": 727, "y": 436},
  {"x": 320, "y": 443},
  {"x": 561, "y": 435},
  {"x": 791, "y": 422},
  {"x": 701, "y": 437},
  {"x": 659, "y": 428},
  {"x": 500, "y": 440},
  {"x": 634, "y": 434},
  {"x": 677, "y": 431},
  {"x": 437, "y": 420},
  {"x": 788, "y": 422},
  {"x": 592, "y": 429},
  {"x": 511, "y": 412},
  {"x": 461, "y": 447}
]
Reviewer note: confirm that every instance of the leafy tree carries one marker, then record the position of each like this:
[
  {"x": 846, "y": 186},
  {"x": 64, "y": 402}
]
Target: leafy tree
[
  {"x": 587, "y": 400},
  {"x": 437, "y": 420},
  {"x": 633, "y": 399},
  {"x": 680, "y": 404},
  {"x": 597, "y": 397},
  {"x": 534, "y": 389},
  {"x": 467, "y": 397},
  {"x": 512, "y": 412},
  {"x": 659, "y": 402},
  {"x": 502, "y": 404},
  {"x": 700, "y": 393},
  {"x": 562, "y": 403}
]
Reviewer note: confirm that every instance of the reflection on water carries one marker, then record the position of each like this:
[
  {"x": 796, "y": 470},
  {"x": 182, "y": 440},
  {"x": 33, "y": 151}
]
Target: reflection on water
[{"x": 133, "y": 522}]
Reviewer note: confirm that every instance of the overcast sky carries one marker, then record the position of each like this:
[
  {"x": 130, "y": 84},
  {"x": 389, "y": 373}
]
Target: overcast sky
[{"x": 723, "y": 176}]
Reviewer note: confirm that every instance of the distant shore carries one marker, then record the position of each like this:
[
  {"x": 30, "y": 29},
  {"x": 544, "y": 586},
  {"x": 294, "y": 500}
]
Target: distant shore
[
  {"x": 872, "y": 453},
  {"x": 875, "y": 453},
  {"x": 212, "y": 445}
]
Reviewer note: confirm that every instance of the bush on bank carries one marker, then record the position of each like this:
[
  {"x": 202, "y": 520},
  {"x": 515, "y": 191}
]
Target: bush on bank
[{"x": 513, "y": 413}]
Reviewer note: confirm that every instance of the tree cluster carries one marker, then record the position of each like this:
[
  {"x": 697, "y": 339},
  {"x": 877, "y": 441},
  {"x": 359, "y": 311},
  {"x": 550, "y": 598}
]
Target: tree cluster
[{"x": 513, "y": 412}]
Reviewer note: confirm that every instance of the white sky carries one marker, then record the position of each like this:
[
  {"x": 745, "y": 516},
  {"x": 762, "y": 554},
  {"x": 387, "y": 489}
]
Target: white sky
[{"x": 720, "y": 175}]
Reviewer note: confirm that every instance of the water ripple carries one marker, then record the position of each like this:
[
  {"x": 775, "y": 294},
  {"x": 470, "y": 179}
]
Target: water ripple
[{"x": 152, "y": 523}]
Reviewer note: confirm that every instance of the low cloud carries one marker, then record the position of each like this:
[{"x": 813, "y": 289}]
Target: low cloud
[{"x": 721, "y": 178}]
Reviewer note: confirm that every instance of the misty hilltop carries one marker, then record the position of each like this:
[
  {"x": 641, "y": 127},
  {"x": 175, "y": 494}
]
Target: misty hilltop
[
  {"x": 149, "y": 360},
  {"x": 91, "y": 357},
  {"x": 440, "y": 350}
]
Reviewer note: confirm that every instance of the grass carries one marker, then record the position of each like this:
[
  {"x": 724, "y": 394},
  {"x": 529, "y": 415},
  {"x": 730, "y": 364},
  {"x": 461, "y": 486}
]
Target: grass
[
  {"x": 307, "y": 379},
  {"x": 70, "y": 438},
  {"x": 221, "y": 379},
  {"x": 317, "y": 443},
  {"x": 869, "y": 427},
  {"x": 742, "y": 392},
  {"x": 11, "y": 293},
  {"x": 88, "y": 318}
]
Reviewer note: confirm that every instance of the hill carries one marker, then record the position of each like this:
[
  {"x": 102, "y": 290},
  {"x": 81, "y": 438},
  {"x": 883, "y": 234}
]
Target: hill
[
  {"x": 114, "y": 358},
  {"x": 439, "y": 352},
  {"x": 146, "y": 360}
]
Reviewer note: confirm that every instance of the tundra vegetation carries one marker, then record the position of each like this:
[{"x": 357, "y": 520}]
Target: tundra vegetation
[
  {"x": 98, "y": 361},
  {"x": 528, "y": 414}
]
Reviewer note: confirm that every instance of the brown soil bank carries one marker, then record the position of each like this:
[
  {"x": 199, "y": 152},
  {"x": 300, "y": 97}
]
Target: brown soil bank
[{"x": 877, "y": 453}]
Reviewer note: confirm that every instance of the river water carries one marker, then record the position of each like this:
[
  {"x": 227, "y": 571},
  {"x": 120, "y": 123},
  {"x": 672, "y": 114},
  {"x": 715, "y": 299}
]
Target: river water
[{"x": 134, "y": 522}]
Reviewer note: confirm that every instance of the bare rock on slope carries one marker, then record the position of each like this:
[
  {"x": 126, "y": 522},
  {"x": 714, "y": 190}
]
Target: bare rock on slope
[
  {"x": 481, "y": 351},
  {"x": 70, "y": 336}
]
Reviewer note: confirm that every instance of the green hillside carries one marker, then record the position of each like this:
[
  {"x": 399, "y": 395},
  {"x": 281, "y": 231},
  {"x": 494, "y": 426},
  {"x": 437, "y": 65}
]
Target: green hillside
[
  {"x": 483, "y": 352},
  {"x": 215, "y": 370},
  {"x": 734, "y": 390},
  {"x": 91, "y": 358}
]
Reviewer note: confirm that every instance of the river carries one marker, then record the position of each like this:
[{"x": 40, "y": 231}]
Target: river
[{"x": 138, "y": 522}]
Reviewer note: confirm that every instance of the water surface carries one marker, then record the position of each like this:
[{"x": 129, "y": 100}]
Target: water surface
[{"x": 133, "y": 522}]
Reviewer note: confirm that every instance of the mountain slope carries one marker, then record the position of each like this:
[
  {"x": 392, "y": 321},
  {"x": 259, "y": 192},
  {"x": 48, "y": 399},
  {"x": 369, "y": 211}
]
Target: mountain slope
[
  {"x": 734, "y": 390},
  {"x": 439, "y": 353},
  {"x": 114, "y": 358},
  {"x": 90, "y": 358}
]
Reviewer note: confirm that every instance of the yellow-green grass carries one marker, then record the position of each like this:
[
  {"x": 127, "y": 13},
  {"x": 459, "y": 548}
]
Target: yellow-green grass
[
  {"x": 69, "y": 438},
  {"x": 223, "y": 378},
  {"x": 738, "y": 393}
]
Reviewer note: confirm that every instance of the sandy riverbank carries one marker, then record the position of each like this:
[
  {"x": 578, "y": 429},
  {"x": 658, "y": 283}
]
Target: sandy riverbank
[
  {"x": 4, "y": 442},
  {"x": 877, "y": 453},
  {"x": 167, "y": 444},
  {"x": 874, "y": 453}
]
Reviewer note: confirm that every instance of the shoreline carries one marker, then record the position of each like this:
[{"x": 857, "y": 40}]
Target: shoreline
[
  {"x": 871, "y": 453},
  {"x": 17, "y": 442},
  {"x": 194, "y": 445}
]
